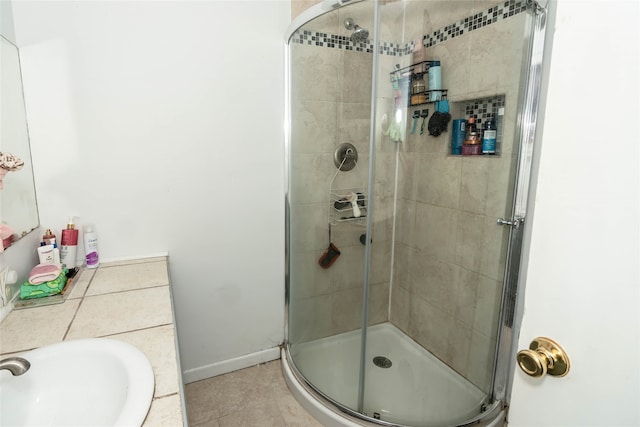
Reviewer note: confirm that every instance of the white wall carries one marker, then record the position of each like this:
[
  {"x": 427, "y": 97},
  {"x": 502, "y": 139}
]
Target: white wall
[
  {"x": 162, "y": 123},
  {"x": 583, "y": 278},
  {"x": 6, "y": 21}
]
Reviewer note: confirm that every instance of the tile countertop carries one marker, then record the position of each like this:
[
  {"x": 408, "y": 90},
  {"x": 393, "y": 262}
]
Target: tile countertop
[{"x": 129, "y": 301}]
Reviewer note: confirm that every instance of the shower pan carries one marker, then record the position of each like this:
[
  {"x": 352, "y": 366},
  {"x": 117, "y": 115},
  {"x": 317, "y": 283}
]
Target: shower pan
[{"x": 412, "y": 322}]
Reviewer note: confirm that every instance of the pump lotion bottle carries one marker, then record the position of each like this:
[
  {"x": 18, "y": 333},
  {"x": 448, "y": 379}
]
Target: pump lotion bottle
[
  {"x": 69, "y": 245},
  {"x": 90, "y": 246}
]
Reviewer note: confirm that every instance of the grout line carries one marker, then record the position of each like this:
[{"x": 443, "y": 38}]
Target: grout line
[
  {"x": 75, "y": 314},
  {"x": 175, "y": 393},
  {"x": 113, "y": 264},
  {"x": 135, "y": 330},
  {"x": 127, "y": 290}
]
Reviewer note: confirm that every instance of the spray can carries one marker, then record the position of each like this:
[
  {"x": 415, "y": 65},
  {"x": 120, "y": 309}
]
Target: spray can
[{"x": 90, "y": 246}]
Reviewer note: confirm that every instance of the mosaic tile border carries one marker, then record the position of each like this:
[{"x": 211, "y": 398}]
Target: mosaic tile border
[
  {"x": 474, "y": 22},
  {"x": 314, "y": 38},
  {"x": 484, "y": 108}
]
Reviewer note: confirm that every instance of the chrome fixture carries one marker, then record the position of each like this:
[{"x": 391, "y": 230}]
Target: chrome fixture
[
  {"x": 15, "y": 365},
  {"x": 515, "y": 223},
  {"x": 345, "y": 157},
  {"x": 359, "y": 34}
]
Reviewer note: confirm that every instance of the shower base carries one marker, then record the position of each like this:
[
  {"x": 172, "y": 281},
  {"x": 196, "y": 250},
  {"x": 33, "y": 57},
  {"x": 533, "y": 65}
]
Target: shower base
[{"x": 415, "y": 389}]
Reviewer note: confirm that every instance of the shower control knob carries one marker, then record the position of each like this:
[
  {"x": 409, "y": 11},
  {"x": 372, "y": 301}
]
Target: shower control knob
[{"x": 544, "y": 356}]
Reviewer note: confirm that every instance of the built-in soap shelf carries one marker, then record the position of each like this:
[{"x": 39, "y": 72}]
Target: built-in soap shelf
[
  {"x": 481, "y": 109},
  {"x": 341, "y": 209}
]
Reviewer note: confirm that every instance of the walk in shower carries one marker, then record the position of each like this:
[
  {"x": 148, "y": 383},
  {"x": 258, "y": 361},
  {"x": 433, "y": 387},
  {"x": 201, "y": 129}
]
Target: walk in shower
[{"x": 402, "y": 255}]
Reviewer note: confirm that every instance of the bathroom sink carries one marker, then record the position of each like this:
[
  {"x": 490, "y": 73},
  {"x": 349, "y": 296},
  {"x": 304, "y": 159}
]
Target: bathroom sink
[{"x": 86, "y": 382}]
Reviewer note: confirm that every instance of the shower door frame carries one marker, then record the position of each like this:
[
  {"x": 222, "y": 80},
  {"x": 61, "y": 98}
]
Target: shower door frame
[{"x": 512, "y": 300}]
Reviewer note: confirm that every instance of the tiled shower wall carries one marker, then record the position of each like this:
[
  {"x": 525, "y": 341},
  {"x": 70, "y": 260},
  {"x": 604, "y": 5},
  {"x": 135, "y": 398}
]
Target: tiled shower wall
[
  {"x": 449, "y": 252},
  {"x": 448, "y": 266},
  {"x": 331, "y": 104}
]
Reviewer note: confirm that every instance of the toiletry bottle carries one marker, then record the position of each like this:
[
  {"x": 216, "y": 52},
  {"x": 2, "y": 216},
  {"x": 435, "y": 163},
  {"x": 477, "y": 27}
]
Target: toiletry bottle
[
  {"x": 435, "y": 81},
  {"x": 458, "y": 135},
  {"x": 472, "y": 144},
  {"x": 419, "y": 56},
  {"x": 49, "y": 238},
  {"x": 90, "y": 246},
  {"x": 418, "y": 90},
  {"x": 489, "y": 137},
  {"x": 56, "y": 254},
  {"x": 69, "y": 245},
  {"x": 45, "y": 254}
]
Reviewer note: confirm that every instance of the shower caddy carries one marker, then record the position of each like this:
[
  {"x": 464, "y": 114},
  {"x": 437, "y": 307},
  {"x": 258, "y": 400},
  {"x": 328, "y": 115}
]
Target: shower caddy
[{"x": 402, "y": 80}]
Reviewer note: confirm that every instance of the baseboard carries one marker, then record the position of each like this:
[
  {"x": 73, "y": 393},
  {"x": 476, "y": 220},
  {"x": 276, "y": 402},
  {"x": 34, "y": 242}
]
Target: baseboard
[{"x": 230, "y": 365}]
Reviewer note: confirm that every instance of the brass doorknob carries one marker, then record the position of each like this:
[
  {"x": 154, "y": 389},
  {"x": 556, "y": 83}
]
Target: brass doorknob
[{"x": 544, "y": 356}]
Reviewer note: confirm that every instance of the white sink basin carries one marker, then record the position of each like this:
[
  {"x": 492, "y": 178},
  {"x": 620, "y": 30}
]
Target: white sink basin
[{"x": 89, "y": 382}]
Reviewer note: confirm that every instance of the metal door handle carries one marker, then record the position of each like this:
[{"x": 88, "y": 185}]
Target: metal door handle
[
  {"x": 515, "y": 223},
  {"x": 544, "y": 356}
]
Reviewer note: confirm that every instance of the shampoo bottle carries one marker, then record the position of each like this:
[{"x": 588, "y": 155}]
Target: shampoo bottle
[
  {"x": 419, "y": 56},
  {"x": 489, "y": 137},
  {"x": 69, "y": 245},
  {"x": 435, "y": 81},
  {"x": 90, "y": 246}
]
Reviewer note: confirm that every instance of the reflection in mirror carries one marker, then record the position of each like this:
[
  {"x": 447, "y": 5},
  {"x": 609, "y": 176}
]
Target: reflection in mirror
[{"x": 18, "y": 208}]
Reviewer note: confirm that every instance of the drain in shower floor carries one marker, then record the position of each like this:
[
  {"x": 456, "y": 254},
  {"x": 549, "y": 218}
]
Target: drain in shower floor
[{"x": 382, "y": 362}]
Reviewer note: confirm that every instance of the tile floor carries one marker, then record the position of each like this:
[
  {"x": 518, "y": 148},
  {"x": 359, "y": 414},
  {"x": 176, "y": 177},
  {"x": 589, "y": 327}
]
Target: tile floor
[{"x": 255, "y": 396}]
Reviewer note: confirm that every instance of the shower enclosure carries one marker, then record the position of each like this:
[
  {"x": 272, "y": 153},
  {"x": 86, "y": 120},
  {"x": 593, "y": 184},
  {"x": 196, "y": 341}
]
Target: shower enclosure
[{"x": 402, "y": 255}]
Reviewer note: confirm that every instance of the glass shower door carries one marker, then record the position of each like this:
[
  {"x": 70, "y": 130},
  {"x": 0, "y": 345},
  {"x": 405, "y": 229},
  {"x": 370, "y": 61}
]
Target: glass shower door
[
  {"x": 433, "y": 362},
  {"x": 330, "y": 93}
]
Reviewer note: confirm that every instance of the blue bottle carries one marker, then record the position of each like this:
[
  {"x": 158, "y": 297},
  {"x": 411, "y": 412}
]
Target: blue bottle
[
  {"x": 435, "y": 81},
  {"x": 457, "y": 136},
  {"x": 489, "y": 137}
]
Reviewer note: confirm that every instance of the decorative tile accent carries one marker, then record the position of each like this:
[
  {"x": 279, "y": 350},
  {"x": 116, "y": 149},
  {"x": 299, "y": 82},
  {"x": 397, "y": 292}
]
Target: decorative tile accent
[
  {"x": 477, "y": 21},
  {"x": 314, "y": 38},
  {"x": 490, "y": 16},
  {"x": 484, "y": 108},
  {"x": 395, "y": 49}
]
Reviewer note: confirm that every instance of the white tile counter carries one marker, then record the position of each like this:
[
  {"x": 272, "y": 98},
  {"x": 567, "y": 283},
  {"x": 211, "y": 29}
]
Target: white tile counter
[{"x": 128, "y": 301}]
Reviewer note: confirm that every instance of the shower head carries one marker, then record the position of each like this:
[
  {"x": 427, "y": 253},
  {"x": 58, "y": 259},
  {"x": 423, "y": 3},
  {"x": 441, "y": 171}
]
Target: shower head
[{"x": 359, "y": 34}]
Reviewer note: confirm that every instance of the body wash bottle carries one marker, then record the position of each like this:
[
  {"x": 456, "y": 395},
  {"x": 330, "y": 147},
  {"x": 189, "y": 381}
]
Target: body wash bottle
[
  {"x": 90, "y": 246},
  {"x": 69, "y": 245}
]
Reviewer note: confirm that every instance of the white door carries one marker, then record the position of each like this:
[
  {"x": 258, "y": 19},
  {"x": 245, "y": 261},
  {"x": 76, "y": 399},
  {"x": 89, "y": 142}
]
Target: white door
[{"x": 582, "y": 274}]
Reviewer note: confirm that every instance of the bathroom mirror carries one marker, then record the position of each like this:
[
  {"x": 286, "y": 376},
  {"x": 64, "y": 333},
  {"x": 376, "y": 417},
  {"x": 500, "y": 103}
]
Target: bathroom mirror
[{"x": 18, "y": 207}]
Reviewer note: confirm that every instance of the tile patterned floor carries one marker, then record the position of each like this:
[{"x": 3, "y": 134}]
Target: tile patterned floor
[{"x": 255, "y": 396}]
